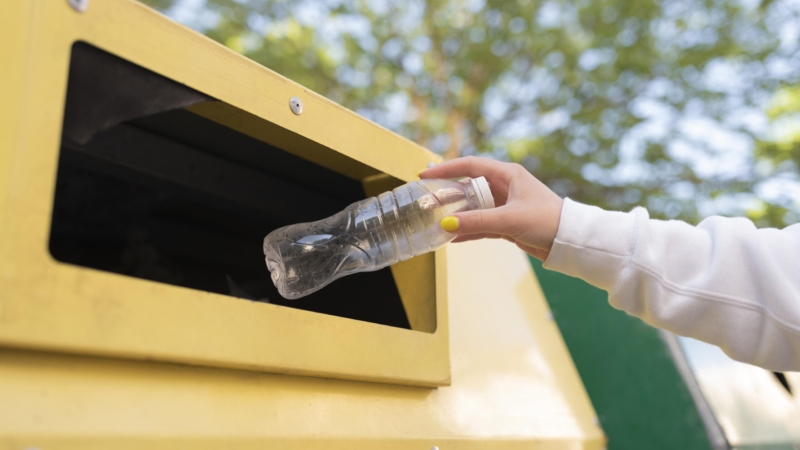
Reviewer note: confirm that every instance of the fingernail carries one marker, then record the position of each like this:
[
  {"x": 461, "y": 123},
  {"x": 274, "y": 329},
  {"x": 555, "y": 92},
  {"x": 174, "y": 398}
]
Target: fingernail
[
  {"x": 449, "y": 223},
  {"x": 420, "y": 173}
]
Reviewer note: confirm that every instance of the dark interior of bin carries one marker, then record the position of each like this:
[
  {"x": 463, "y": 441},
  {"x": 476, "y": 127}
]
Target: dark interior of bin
[{"x": 156, "y": 192}]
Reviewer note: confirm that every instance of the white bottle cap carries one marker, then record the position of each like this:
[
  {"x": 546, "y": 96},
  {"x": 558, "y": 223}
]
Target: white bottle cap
[{"x": 481, "y": 187}]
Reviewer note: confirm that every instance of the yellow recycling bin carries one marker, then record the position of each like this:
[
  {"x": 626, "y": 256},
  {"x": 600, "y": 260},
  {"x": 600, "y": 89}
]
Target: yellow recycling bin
[{"x": 140, "y": 166}]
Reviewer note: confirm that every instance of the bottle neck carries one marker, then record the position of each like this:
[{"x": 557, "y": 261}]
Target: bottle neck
[{"x": 473, "y": 197}]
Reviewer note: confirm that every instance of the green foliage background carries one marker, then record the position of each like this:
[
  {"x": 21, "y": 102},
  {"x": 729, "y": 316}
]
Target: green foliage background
[{"x": 688, "y": 107}]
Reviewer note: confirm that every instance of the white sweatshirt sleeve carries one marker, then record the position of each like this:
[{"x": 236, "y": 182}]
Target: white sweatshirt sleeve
[{"x": 723, "y": 282}]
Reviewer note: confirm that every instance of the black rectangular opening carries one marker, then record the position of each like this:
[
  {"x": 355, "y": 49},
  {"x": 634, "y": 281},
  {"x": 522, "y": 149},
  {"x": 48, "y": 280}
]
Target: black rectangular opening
[{"x": 150, "y": 190}]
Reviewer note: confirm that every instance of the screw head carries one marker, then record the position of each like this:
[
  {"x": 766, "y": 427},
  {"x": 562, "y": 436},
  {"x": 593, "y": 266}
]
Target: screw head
[
  {"x": 79, "y": 5},
  {"x": 296, "y": 105}
]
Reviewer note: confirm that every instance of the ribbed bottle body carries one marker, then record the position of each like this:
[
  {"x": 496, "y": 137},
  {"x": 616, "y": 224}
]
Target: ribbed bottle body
[{"x": 365, "y": 236}]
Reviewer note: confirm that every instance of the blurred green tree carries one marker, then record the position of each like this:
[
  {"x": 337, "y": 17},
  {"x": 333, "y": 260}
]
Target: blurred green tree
[
  {"x": 778, "y": 158},
  {"x": 663, "y": 103}
]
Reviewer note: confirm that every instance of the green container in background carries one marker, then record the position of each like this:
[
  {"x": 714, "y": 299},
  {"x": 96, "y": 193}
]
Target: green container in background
[{"x": 640, "y": 398}]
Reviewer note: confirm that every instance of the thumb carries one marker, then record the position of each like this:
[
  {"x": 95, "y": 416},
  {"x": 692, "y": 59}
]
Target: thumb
[{"x": 478, "y": 221}]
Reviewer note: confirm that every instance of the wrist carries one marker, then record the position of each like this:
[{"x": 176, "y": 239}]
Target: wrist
[{"x": 553, "y": 215}]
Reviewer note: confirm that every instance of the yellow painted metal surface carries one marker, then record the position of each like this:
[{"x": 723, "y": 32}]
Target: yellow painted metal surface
[
  {"x": 53, "y": 306},
  {"x": 418, "y": 291},
  {"x": 13, "y": 83},
  {"x": 513, "y": 386},
  {"x": 90, "y": 359}
]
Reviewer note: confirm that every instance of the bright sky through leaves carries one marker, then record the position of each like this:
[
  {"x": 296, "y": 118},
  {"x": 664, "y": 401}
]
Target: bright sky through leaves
[{"x": 689, "y": 107}]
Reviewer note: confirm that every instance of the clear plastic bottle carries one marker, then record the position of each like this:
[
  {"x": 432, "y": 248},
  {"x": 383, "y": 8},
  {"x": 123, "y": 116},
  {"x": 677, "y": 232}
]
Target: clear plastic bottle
[{"x": 370, "y": 234}]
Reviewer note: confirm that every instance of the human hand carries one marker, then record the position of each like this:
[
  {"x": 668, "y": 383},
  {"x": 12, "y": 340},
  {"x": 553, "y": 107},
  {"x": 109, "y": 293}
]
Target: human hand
[{"x": 527, "y": 212}]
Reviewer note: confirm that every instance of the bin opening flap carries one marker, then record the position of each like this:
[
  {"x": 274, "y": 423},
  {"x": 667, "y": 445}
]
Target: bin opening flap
[{"x": 104, "y": 90}]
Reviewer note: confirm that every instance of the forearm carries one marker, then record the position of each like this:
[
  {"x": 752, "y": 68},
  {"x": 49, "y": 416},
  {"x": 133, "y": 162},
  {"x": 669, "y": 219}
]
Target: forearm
[{"x": 722, "y": 282}]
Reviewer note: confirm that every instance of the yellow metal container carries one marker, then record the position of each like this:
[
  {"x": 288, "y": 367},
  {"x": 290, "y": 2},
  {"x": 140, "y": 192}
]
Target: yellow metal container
[{"x": 90, "y": 358}]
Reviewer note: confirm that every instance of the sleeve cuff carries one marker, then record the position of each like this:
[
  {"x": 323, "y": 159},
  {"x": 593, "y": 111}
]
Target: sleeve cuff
[{"x": 592, "y": 244}]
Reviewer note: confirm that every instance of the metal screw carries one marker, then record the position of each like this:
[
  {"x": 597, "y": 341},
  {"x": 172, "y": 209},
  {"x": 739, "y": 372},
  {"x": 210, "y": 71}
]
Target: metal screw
[
  {"x": 435, "y": 447},
  {"x": 296, "y": 105},
  {"x": 79, "y": 5}
]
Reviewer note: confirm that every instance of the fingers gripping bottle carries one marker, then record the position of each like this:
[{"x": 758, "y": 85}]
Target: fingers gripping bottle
[{"x": 370, "y": 234}]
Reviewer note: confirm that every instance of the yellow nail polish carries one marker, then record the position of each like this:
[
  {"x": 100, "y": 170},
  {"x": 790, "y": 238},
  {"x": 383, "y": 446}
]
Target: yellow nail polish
[
  {"x": 420, "y": 172},
  {"x": 449, "y": 223}
]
